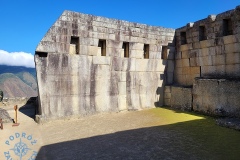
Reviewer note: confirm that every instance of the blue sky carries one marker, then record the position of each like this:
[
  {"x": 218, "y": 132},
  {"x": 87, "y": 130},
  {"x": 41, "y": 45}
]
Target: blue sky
[{"x": 24, "y": 22}]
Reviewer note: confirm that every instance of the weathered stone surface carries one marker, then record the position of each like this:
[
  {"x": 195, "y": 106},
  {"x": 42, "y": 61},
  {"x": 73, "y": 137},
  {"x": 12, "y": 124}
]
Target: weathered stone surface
[
  {"x": 216, "y": 97},
  {"x": 181, "y": 98},
  {"x": 86, "y": 70}
]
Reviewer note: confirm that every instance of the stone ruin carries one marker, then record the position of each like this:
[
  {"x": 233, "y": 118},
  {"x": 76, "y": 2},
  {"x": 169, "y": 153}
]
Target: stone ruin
[{"x": 89, "y": 64}]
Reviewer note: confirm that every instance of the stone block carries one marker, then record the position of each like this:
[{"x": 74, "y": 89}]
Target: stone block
[
  {"x": 156, "y": 65},
  {"x": 194, "y": 70},
  {"x": 122, "y": 102},
  {"x": 219, "y": 59},
  {"x": 101, "y": 60},
  {"x": 178, "y": 70},
  {"x": 136, "y": 46},
  {"x": 154, "y": 55},
  {"x": 186, "y": 70},
  {"x": 116, "y": 64},
  {"x": 186, "y": 47},
  {"x": 136, "y": 54},
  {"x": 101, "y": 72},
  {"x": 207, "y": 43},
  {"x": 122, "y": 88},
  {"x": 123, "y": 76},
  {"x": 83, "y": 50},
  {"x": 92, "y": 50},
  {"x": 232, "y": 48},
  {"x": 178, "y": 63},
  {"x": 229, "y": 39},
  {"x": 194, "y": 62},
  {"x": 102, "y": 102},
  {"x": 122, "y": 53},
  {"x": 72, "y": 49},
  {"x": 141, "y": 65},
  {"x": 129, "y": 64},
  {"x": 185, "y": 63},
  {"x": 208, "y": 70},
  {"x": 205, "y": 61},
  {"x": 185, "y": 54},
  {"x": 114, "y": 44},
  {"x": 181, "y": 98},
  {"x": 196, "y": 45}
]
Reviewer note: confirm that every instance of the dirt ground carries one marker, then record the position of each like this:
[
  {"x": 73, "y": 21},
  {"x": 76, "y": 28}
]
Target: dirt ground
[{"x": 158, "y": 133}]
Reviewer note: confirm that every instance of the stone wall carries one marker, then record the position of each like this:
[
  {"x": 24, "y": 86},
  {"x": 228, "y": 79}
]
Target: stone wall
[
  {"x": 178, "y": 97},
  {"x": 208, "y": 48},
  {"x": 84, "y": 67},
  {"x": 217, "y": 97}
]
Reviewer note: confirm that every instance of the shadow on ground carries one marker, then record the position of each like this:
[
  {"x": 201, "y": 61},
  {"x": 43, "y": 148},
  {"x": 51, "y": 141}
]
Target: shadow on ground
[
  {"x": 196, "y": 139},
  {"x": 29, "y": 109}
]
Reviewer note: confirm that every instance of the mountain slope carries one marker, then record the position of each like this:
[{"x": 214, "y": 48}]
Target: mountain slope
[
  {"x": 12, "y": 86},
  {"x": 18, "y": 81}
]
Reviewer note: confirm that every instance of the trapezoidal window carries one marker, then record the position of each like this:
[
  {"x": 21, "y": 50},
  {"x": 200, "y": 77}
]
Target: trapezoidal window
[
  {"x": 183, "y": 38},
  {"x": 164, "y": 52},
  {"x": 227, "y": 27},
  {"x": 146, "y": 51},
  {"x": 125, "y": 46},
  {"x": 74, "y": 45},
  {"x": 102, "y": 45},
  {"x": 202, "y": 33}
]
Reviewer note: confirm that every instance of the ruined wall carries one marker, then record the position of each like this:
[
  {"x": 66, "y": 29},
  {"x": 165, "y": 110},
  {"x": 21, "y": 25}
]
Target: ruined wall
[
  {"x": 217, "y": 97},
  {"x": 208, "y": 48},
  {"x": 87, "y": 64}
]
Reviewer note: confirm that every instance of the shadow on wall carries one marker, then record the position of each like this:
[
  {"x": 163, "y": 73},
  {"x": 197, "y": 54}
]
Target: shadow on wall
[
  {"x": 197, "y": 139},
  {"x": 167, "y": 56}
]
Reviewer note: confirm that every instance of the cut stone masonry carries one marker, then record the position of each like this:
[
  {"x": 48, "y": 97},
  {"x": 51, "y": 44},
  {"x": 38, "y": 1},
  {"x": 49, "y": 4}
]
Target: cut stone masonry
[{"x": 89, "y": 64}]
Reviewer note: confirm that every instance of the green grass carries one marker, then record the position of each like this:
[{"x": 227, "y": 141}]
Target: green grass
[{"x": 218, "y": 142}]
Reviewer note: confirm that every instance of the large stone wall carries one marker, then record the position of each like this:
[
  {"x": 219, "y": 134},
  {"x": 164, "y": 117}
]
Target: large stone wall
[
  {"x": 76, "y": 78},
  {"x": 208, "y": 48}
]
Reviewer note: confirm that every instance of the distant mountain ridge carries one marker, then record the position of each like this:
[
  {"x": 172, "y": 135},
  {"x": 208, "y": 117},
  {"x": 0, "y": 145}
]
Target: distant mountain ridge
[
  {"x": 18, "y": 81},
  {"x": 16, "y": 69}
]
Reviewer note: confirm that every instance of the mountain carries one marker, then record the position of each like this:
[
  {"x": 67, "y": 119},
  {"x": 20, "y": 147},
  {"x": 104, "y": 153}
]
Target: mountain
[{"x": 18, "y": 81}]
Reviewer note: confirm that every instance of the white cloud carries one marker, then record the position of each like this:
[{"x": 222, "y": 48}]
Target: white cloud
[{"x": 17, "y": 59}]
